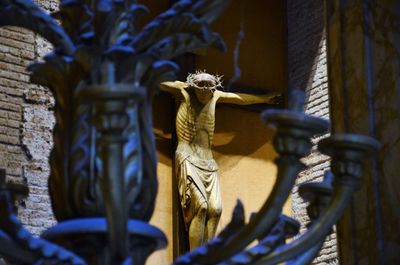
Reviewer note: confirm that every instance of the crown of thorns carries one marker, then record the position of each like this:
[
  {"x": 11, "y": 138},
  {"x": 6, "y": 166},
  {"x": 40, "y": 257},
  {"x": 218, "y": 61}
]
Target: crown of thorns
[{"x": 198, "y": 81}]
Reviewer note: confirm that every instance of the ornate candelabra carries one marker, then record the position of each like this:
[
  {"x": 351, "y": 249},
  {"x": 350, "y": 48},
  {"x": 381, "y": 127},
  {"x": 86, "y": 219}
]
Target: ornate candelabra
[{"x": 103, "y": 73}]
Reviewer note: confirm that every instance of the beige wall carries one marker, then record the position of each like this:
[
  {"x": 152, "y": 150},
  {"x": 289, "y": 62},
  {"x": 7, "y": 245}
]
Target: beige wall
[
  {"x": 243, "y": 151},
  {"x": 263, "y": 50},
  {"x": 162, "y": 217}
]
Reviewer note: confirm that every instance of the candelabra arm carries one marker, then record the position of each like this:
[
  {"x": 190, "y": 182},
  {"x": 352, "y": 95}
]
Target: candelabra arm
[
  {"x": 316, "y": 233},
  {"x": 307, "y": 257},
  {"x": 288, "y": 168},
  {"x": 347, "y": 152},
  {"x": 319, "y": 196},
  {"x": 17, "y": 245},
  {"x": 284, "y": 228}
]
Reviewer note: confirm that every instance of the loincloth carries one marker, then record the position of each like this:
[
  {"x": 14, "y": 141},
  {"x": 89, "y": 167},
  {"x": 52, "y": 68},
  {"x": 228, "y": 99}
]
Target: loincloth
[{"x": 198, "y": 183}]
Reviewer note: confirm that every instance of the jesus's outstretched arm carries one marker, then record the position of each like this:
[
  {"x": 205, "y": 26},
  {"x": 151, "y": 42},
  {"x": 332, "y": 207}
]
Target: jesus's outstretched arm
[
  {"x": 176, "y": 88},
  {"x": 246, "y": 99}
]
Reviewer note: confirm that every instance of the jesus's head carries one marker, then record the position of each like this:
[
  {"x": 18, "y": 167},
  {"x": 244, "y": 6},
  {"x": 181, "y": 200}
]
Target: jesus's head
[{"x": 204, "y": 85}]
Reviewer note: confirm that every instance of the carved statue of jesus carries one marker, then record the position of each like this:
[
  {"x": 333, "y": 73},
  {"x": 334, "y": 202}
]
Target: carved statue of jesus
[{"x": 196, "y": 169}]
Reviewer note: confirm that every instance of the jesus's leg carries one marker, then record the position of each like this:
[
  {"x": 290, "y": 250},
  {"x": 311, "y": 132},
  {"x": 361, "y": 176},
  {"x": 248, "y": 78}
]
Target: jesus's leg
[
  {"x": 214, "y": 214},
  {"x": 214, "y": 208},
  {"x": 197, "y": 227}
]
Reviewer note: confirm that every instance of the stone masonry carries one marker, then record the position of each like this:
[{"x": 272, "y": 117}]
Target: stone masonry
[
  {"x": 308, "y": 70},
  {"x": 26, "y": 122}
]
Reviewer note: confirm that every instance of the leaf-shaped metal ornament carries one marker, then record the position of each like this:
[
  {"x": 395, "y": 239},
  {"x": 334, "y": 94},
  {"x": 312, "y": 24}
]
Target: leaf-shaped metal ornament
[{"x": 26, "y": 14}]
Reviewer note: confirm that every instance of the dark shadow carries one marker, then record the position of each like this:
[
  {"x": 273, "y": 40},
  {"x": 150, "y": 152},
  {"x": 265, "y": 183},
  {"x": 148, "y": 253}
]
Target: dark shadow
[
  {"x": 305, "y": 32},
  {"x": 240, "y": 132}
]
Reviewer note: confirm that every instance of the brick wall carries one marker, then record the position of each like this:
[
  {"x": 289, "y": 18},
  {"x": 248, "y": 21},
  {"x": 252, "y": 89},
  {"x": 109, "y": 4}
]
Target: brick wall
[
  {"x": 26, "y": 120},
  {"x": 308, "y": 70}
]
